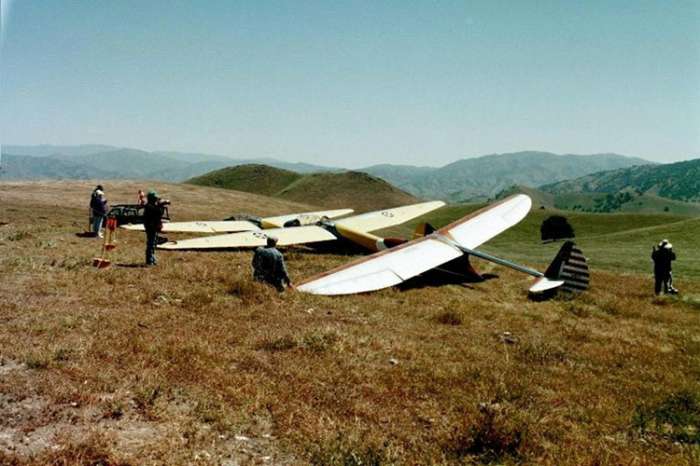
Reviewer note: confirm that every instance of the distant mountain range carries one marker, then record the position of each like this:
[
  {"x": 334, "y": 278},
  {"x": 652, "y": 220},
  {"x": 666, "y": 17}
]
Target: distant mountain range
[
  {"x": 679, "y": 181},
  {"x": 673, "y": 188},
  {"x": 109, "y": 162},
  {"x": 484, "y": 177},
  {"x": 467, "y": 179},
  {"x": 357, "y": 190},
  {"x": 627, "y": 201}
]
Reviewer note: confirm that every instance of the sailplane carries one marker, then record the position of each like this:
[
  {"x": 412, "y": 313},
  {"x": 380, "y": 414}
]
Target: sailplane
[{"x": 394, "y": 260}]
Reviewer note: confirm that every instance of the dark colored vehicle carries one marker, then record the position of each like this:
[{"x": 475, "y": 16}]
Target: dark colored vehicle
[{"x": 131, "y": 213}]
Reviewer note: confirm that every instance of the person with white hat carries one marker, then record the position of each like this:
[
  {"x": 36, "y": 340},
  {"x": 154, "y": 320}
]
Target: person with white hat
[
  {"x": 98, "y": 210},
  {"x": 663, "y": 256}
]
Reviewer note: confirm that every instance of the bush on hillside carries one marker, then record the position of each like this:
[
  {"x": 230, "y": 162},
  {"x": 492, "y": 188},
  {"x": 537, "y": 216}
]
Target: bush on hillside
[{"x": 556, "y": 227}]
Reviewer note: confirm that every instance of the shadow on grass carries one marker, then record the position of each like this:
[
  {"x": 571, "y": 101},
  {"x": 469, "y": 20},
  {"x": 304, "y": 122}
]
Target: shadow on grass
[
  {"x": 137, "y": 265},
  {"x": 435, "y": 278}
]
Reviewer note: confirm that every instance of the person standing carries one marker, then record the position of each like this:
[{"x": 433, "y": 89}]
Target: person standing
[
  {"x": 152, "y": 223},
  {"x": 663, "y": 256},
  {"x": 269, "y": 266},
  {"x": 98, "y": 210},
  {"x": 141, "y": 199}
]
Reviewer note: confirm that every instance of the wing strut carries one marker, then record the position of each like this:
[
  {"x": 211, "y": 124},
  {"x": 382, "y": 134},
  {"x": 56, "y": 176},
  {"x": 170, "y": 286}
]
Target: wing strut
[{"x": 490, "y": 258}]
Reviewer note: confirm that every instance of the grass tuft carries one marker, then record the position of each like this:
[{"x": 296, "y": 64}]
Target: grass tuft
[
  {"x": 540, "y": 352},
  {"x": 449, "y": 318},
  {"x": 284, "y": 343},
  {"x": 319, "y": 342},
  {"x": 37, "y": 361},
  {"x": 677, "y": 417},
  {"x": 250, "y": 291},
  {"x": 342, "y": 451},
  {"x": 493, "y": 437}
]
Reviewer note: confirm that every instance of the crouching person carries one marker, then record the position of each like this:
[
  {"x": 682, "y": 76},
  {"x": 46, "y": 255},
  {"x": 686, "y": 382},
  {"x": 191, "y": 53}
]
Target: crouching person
[{"x": 269, "y": 266}]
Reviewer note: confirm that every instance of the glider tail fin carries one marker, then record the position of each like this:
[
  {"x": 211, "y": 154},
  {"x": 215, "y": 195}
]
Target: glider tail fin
[{"x": 570, "y": 266}]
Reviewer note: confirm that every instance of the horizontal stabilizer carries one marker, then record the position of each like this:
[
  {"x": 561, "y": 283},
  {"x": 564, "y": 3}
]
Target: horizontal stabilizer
[
  {"x": 251, "y": 239},
  {"x": 545, "y": 284}
]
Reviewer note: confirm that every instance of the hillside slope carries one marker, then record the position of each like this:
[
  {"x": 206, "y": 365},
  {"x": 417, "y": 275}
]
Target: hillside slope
[
  {"x": 679, "y": 181},
  {"x": 254, "y": 178},
  {"x": 483, "y": 177},
  {"x": 359, "y": 191},
  {"x": 624, "y": 201},
  {"x": 356, "y": 190}
]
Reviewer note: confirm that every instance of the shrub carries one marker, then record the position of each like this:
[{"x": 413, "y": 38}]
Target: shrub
[{"x": 556, "y": 227}]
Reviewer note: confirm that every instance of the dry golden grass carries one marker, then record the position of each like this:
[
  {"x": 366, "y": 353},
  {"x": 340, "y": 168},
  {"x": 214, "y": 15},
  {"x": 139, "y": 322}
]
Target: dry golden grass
[{"x": 191, "y": 362}]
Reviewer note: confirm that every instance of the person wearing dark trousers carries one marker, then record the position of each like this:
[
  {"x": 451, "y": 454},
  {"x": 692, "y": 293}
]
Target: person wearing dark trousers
[
  {"x": 98, "y": 210},
  {"x": 269, "y": 267},
  {"x": 663, "y": 256},
  {"x": 152, "y": 223}
]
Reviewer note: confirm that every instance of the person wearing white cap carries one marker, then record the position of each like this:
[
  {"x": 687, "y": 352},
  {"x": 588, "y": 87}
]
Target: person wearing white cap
[
  {"x": 269, "y": 266},
  {"x": 98, "y": 210},
  {"x": 663, "y": 256}
]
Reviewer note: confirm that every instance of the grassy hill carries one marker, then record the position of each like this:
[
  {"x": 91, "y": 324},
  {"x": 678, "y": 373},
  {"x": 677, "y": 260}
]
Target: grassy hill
[
  {"x": 679, "y": 181},
  {"x": 260, "y": 179},
  {"x": 626, "y": 201},
  {"x": 193, "y": 362},
  {"x": 359, "y": 191}
]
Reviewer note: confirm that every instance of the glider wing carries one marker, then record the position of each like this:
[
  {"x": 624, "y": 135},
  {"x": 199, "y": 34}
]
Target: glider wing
[
  {"x": 306, "y": 218},
  {"x": 248, "y": 239},
  {"x": 379, "y": 219},
  {"x": 223, "y": 226},
  {"x": 230, "y": 226},
  {"x": 395, "y": 265}
]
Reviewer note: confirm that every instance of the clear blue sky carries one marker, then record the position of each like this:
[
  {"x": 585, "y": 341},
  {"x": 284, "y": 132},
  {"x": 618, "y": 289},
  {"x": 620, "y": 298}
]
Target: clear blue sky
[{"x": 355, "y": 83}]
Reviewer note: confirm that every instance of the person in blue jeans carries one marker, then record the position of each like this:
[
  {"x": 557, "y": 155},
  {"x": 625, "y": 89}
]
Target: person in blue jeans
[{"x": 98, "y": 209}]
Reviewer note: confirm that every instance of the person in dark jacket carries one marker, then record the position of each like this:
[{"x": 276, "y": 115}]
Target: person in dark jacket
[
  {"x": 152, "y": 223},
  {"x": 269, "y": 266},
  {"x": 663, "y": 256},
  {"x": 98, "y": 210}
]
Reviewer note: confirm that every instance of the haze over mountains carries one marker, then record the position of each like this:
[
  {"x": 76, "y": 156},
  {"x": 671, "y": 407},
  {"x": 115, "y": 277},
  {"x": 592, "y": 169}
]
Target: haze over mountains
[
  {"x": 466, "y": 179},
  {"x": 483, "y": 177}
]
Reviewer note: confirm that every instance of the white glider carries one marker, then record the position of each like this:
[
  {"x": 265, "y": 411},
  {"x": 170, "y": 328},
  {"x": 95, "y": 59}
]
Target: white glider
[
  {"x": 248, "y": 224},
  {"x": 355, "y": 229},
  {"x": 396, "y": 265}
]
